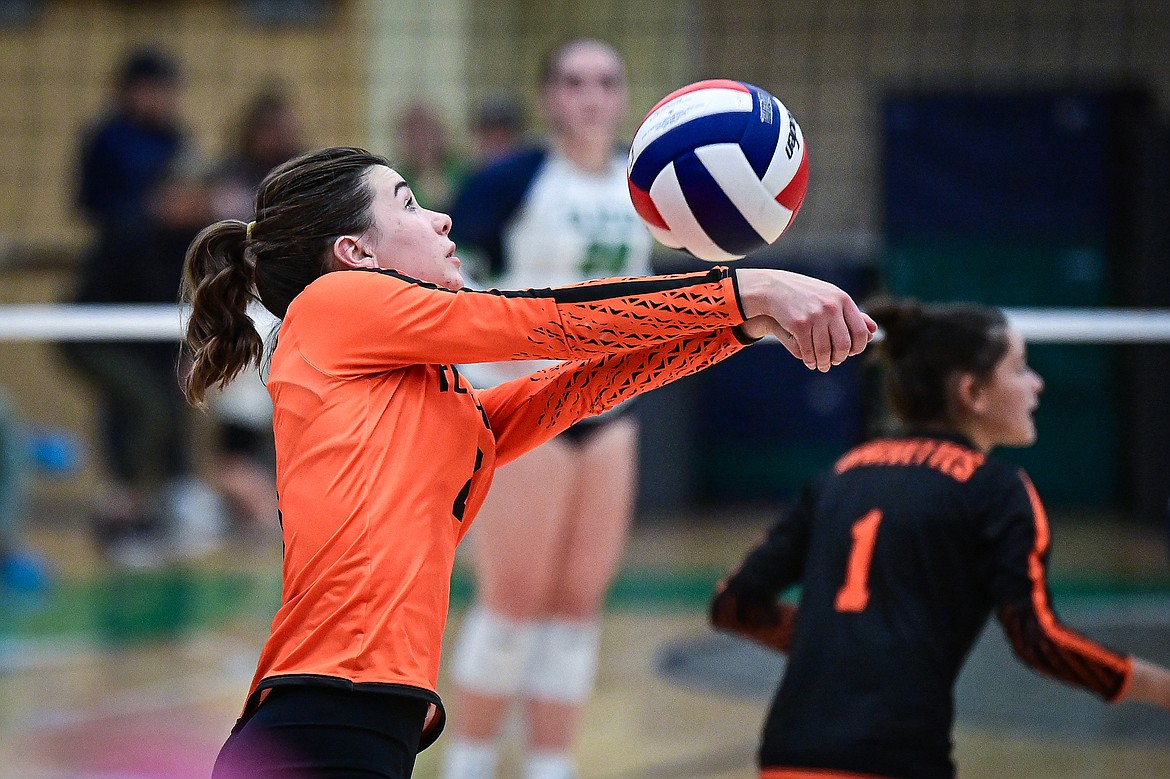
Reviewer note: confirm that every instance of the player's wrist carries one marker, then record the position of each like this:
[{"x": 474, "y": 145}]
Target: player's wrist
[
  {"x": 754, "y": 329},
  {"x": 757, "y": 291},
  {"x": 1148, "y": 682}
]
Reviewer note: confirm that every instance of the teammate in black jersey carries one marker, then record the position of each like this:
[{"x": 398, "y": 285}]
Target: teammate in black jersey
[{"x": 903, "y": 551}]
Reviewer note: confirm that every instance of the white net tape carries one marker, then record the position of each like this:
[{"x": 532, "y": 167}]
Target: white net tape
[
  {"x": 104, "y": 322},
  {"x": 58, "y": 322}
]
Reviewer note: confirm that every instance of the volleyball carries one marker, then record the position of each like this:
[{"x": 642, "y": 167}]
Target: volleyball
[{"x": 719, "y": 169}]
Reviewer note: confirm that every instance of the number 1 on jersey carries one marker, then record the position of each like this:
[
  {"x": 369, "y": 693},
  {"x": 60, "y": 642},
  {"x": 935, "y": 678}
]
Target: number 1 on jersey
[{"x": 854, "y": 594}]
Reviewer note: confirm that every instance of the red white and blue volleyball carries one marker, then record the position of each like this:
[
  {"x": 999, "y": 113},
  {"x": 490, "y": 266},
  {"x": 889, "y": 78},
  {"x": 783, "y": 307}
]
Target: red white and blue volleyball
[{"x": 719, "y": 169}]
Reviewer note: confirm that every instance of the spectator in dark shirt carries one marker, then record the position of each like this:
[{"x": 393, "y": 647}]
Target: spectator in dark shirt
[
  {"x": 498, "y": 129},
  {"x": 124, "y": 154},
  {"x": 144, "y": 416}
]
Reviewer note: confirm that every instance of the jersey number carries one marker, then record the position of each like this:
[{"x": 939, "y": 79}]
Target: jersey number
[
  {"x": 604, "y": 260},
  {"x": 854, "y": 593}
]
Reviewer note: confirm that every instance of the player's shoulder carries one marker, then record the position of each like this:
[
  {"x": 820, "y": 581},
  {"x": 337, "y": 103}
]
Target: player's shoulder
[
  {"x": 1002, "y": 488},
  {"x": 343, "y": 291},
  {"x": 997, "y": 472}
]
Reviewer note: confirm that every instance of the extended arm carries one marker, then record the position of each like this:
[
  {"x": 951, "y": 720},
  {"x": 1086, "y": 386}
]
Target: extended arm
[
  {"x": 1018, "y": 561},
  {"x": 526, "y": 412},
  {"x": 746, "y": 601},
  {"x": 371, "y": 321},
  {"x": 367, "y": 321}
]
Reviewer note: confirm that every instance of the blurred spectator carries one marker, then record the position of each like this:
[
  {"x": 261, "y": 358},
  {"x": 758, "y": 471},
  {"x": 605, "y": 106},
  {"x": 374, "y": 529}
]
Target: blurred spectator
[
  {"x": 269, "y": 133},
  {"x": 22, "y": 571},
  {"x": 426, "y": 157},
  {"x": 498, "y": 129},
  {"x": 124, "y": 153},
  {"x": 153, "y": 505}
]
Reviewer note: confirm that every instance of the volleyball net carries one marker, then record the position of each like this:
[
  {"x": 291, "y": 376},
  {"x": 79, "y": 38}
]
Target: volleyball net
[{"x": 41, "y": 322}]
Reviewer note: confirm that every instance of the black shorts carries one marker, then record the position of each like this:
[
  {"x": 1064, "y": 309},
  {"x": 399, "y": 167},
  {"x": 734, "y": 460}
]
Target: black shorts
[{"x": 311, "y": 732}]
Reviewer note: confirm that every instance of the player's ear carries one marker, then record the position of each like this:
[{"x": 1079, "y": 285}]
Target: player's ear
[
  {"x": 350, "y": 252},
  {"x": 970, "y": 394}
]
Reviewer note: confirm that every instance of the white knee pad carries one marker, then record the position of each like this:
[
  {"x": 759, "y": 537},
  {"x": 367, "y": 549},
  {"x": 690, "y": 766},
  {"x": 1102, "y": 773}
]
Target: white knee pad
[
  {"x": 564, "y": 663},
  {"x": 549, "y": 765},
  {"x": 467, "y": 759},
  {"x": 492, "y": 653}
]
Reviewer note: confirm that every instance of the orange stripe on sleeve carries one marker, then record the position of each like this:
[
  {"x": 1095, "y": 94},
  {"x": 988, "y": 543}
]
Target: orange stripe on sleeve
[{"x": 1061, "y": 636}]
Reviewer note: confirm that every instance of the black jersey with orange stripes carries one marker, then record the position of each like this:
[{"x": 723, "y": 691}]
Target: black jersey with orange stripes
[
  {"x": 902, "y": 551},
  {"x": 385, "y": 454}
]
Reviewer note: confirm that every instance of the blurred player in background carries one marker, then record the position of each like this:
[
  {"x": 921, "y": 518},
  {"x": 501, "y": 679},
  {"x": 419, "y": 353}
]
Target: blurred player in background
[
  {"x": 903, "y": 551},
  {"x": 385, "y": 453},
  {"x": 427, "y": 156},
  {"x": 553, "y": 528}
]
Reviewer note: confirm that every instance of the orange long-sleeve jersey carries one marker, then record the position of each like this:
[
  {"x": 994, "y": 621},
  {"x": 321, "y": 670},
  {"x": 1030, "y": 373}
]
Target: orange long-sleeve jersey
[{"x": 385, "y": 454}]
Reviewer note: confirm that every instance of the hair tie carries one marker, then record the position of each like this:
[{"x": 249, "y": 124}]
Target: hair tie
[{"x": 248, "y": 230}]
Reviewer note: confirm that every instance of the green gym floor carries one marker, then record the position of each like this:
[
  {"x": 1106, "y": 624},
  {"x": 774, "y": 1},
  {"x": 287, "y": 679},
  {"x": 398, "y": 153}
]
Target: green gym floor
[{"x": 139, "y": 675}]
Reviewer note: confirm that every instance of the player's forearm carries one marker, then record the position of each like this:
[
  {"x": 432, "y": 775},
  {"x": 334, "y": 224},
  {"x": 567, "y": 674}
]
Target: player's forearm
[
  {"x": 612, "y": 315},
  {"x": 526, "y": 412},
  {"x": 772, "y": 625},
  {"x": 1051, "y": 648}
]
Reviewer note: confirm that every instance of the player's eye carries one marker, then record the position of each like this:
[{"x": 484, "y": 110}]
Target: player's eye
[{"x": 611, "y": 83}]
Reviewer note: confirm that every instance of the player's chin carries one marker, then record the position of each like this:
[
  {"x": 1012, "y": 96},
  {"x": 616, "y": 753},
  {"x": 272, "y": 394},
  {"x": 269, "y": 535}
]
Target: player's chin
[
  {"x": 1025, "y": 435},
  {"x": 454, "y": 281}
]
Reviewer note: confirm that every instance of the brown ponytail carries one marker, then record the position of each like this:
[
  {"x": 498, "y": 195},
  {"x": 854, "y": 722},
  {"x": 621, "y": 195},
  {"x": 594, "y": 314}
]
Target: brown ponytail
[{"x": 218, "y": 282}]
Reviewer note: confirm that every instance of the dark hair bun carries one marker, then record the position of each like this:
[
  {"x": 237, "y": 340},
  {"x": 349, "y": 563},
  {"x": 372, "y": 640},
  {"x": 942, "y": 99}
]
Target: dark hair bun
[{"x": 901, "y": 319}]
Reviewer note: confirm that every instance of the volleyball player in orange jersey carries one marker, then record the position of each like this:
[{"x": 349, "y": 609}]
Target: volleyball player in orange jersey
[
  {"x": 903, "y": 551},
  {"x": 385, "y": 453}
]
